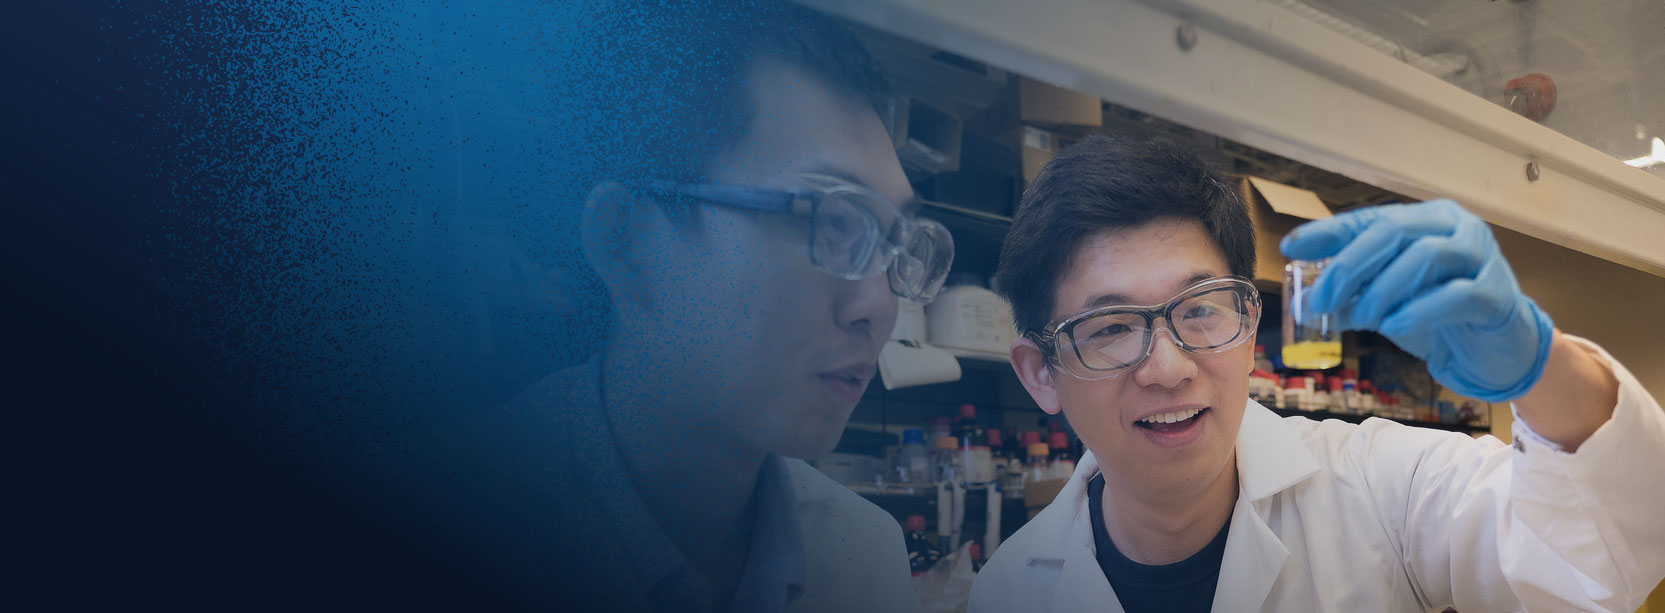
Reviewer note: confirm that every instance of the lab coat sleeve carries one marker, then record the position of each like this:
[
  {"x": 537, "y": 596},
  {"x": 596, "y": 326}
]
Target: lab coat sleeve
[{"x": 1481, "y": 525}]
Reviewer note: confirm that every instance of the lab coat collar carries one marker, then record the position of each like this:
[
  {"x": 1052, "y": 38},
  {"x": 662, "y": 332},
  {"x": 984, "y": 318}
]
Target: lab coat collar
[
  {"x": 1082, "y": 585},
  {"x": 1270, "y": 458}
]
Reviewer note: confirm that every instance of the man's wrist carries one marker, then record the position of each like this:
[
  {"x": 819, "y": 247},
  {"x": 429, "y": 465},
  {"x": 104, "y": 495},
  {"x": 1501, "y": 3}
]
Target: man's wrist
[{"x": 1575, "y": 396}]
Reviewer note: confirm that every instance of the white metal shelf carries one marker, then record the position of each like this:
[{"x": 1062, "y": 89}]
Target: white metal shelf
[{"x": 1260, "y": 75}]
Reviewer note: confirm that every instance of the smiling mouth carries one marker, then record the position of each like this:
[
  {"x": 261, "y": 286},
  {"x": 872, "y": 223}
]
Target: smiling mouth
[{"x": 1171, "y": 422}]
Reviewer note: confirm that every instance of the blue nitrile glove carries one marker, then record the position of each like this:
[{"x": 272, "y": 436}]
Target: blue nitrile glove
[{"x": 1430, "y": 277}]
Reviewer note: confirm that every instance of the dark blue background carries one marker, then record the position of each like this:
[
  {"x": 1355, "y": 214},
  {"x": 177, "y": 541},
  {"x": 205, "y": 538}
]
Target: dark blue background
[{"x": 247, "y": 248}]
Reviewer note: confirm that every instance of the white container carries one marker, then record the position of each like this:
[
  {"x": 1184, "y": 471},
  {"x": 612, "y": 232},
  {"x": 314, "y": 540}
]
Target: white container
[
  {"x": 1061, "y": 469},
  {"x": 914, "y": 458},
  {"x": 979, "y": 464},
  {"x": 969, "y": 316},
  {"x": 847, "y": 467}
]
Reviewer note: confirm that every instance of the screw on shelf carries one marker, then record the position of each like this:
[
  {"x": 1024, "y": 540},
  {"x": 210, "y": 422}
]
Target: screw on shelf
[{"x": 1187, "y": 37}]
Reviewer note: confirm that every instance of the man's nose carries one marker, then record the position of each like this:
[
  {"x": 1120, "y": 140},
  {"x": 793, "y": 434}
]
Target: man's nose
[
  {"x": 867, "y": 306},
  {"x": 1168, "y": 365}
]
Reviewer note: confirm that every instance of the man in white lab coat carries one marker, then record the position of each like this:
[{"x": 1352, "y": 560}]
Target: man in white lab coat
[{"x": 1126, "y": 268}]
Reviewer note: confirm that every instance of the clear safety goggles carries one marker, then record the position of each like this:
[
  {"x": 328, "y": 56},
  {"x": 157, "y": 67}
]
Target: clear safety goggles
[
  {"x": 1106, "y": 342},
  {"x": 854, "y": 233}
]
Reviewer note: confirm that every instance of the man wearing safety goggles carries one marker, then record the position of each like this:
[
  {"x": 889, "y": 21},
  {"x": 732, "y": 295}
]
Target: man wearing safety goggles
[
  {"x": 752, "y": 231},
  {"x": 1127, "y": 269},
  {"x": 853, "y": 233}
]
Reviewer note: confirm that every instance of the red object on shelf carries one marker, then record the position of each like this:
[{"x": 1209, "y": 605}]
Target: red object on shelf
[
  {"x": 1532, "y": 96},
  {"x": 916, "y": 523},
  {"x": 1058, "y": 440}
]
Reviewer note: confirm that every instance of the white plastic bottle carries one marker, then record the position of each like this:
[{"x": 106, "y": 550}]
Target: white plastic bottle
[
  {"x": 914, "y": 458},
  {"x": 968, "y": 316}
]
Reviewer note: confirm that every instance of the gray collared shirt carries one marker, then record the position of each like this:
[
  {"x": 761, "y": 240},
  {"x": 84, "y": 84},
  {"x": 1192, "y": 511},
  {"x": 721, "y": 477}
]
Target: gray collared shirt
[
  {"x": 774, "y": 571},
  {"x": 534, "y": 496}
]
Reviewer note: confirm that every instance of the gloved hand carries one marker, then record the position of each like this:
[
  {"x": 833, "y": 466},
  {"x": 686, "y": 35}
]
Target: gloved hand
[{"x": 1430, "y": 277}]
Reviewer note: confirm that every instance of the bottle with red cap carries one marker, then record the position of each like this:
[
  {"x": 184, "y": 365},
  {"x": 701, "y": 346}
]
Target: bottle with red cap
[
  {"x": 976, "y": 552},
  {"x": 1337, "y": 396},
  {"x": 1320, "y": 392},
  {"x": 922, "y": 552},
  {"x": 1295, "y": 393},
  {"x": 1014, "y": 446},
  {"x": 1027, "y": 438},
  {"x": 1059, "y": 463},
  {"x": 997, "y": 448},
  {"x": 967, "y": 424},
  {"x": 1367, "y": 398},
  {"x": 1008, "y": 466}
]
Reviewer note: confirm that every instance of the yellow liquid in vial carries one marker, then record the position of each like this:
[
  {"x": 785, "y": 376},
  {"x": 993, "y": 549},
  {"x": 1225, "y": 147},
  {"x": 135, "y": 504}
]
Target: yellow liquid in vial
[{"x": 1312, "y": 355}]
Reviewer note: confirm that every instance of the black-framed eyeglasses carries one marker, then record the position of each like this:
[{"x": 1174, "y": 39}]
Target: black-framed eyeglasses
[
  {"x": 854, "y": 233},
  {"x": 1210, "y": 316}
]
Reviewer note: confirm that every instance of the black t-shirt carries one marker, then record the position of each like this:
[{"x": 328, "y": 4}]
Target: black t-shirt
[{"x": 1186, "y": 586}]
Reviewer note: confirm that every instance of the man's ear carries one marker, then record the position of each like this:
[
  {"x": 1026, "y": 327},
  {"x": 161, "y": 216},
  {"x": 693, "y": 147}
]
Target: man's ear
[
  {"x": 1036, "y": 375},
  {"x": 613, "y": 232}
]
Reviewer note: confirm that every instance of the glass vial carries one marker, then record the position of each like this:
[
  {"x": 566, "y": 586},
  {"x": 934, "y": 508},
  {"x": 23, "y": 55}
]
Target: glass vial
[{"x": 1309, "y": 343}]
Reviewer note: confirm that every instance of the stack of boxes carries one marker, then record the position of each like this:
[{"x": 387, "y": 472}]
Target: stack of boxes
[
  {"x": 1036, "y": 120},
  {"x": 1002, "y": 148}
]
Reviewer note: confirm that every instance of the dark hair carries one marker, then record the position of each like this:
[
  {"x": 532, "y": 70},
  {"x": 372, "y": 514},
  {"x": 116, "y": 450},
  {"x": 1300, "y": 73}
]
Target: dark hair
[
  {"x": 1107, "y": 183},
  {"x": 672, "y": 94},
  {"x": 664, "y": 92}
]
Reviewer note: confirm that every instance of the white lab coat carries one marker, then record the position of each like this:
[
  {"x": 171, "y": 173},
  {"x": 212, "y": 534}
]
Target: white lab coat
[{"x": 1332, "y": 516}]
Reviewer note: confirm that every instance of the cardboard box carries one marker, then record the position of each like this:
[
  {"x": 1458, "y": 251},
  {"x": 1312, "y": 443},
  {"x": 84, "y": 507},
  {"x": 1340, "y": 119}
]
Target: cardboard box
[
  {"x": 927, "y": 139},
  {"x": 1029, "y": 102},
  {"x": 1034, "y": 147},
  {"x": 1038, "y": 494},
  {"x": 1276, "y": 209}
]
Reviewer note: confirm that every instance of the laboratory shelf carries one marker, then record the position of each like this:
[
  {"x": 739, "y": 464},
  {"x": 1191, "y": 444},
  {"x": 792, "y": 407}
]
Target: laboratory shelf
[
  {"x": 902, "y": 500},
  {"x": 1350, "y": 418}
]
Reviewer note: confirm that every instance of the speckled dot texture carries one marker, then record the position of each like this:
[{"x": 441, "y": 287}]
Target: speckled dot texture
[{"x": 263, "y": 251}]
